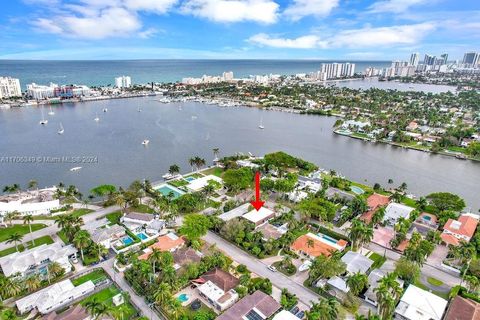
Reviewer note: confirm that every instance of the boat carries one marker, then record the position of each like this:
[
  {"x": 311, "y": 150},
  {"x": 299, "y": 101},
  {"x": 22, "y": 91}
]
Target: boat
[
  {"x": 145, "y": 142},
  {"x": 194, "y": 117},
  {"x": 43, "y": 121},
  {"x": 97, "y": 118},
  {"x": 105, "y": 110},
  {"x": 169, "y": 176},
  {"x": 51, "y": 113},
  {"x": 305, "y": 266},
  {"x": 62, "y": 130},
  {"x": 261, "y": 124},
  {"x": 75, "y": 169}
]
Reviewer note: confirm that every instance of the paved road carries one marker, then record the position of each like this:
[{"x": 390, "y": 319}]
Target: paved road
[
  {"x": 253, "y": 264},
  {"x": 53, "y": 229}
]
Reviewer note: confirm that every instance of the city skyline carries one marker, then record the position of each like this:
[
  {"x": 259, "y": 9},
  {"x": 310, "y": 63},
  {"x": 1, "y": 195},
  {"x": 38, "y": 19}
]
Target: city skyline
[{"x": 238, "y": 29}]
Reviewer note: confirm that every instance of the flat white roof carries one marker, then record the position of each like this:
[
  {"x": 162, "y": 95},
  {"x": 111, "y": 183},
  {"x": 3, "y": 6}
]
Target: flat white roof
[
  {"x": 285, "y": 315},
  {"x": 211, "y": 291},
  {"x": 397, "y": 210},
  {"x": 235, "y": 213},
  {"x": 200, "y": 183},
  {"x": 418, "y": 304},
  {"x": 256, "y": 216}
]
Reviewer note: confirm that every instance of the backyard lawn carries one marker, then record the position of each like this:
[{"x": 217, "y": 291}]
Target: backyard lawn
[
  {"x": 29, "y": 245},
  {"x": 187, "y": 311},
  {"x": 216, "y": 171},
  {"x": 106, "y": 295},
  {"x": 95, "y": 276},
  {"x": 22, "y": 229},
  {"x": 377, "y": 259},
  {"x": 81, "y": 212},
  {"x": 114, "y": 217},
  {"x": 178, "y": 183},
  {"x": 141, "y": 208}
]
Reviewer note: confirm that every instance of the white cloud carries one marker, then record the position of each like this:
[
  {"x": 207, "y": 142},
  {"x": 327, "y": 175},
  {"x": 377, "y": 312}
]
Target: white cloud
[
  {"x": 305, "y": 42},
  {"x": 262, "y": 11},
  {"x": 396, "y": 6},
  {"x": 105, "y": 23},
  {"x": 147, "y": 33},
  {"x": 355, "y": 38},
  {"x": 158, "y": 6},
  {"x": 302, "y": 8}
]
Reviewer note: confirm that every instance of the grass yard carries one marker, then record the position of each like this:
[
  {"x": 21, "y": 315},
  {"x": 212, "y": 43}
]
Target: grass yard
[
  {"x": 95, "y": 276},
  {"x": 434, "y": 281},
  {"x": 106, "y": 295},
  {"x": 195, "y": 175},
  {"x": 378, "y": 260},
  {"x": 178, "y": 183},
  {"x": 114, "y": 217},
  {"x": 443, "y": 295},
  {"x": 22, "y": 229},
  {"x": 63, "y": 237},
  {"x": 141, "y": 208},
  {"x": 216, "y": 171},
  {"x": 187, "y": 311},
  {"x": 29, "y": 245},
  {"x": 81, "y": 212},
  {"x": 288, "y": 272}
]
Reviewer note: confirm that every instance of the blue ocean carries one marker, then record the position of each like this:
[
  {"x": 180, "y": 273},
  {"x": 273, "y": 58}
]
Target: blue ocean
[{"x": 103, "y": 72}]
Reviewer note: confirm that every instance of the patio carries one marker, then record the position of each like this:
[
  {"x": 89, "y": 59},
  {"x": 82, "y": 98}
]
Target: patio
[{"x": 192, "y": 293}]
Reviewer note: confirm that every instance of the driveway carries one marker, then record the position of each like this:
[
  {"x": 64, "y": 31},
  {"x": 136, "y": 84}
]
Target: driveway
[{"x": 437, "y": 256}]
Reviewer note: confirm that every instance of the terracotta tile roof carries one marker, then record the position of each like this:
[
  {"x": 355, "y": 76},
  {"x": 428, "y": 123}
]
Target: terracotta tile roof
[
  {"x": 463, "y": 309},
  {"x": 377, "y": 200},
  {"x": 74, "y": 313},
  {"x": 403, "y": 245},
  {"x": 221, "y": 279},
  {"x": 318, "y": 248},
  {"x": 449, "y": 239},
  {"x": 465, "y": 225},
  {"x": 164, "y": 243},
  {"x": 258, "y": 300}
]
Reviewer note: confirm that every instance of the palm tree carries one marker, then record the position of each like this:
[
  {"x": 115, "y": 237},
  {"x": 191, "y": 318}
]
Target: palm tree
[
  {"x": 155, "y": 257},
  {"x": 359, "y": 233},
  {"x": 388, "y": 292},
  {"x": 28, "y": 220},
  {"x": 121, "y": 201},
  {"x": 473, "y": 283},
  {"x": 174, "y": 169},
  {"x": 357, "y": 282},
  {"x": 12, "y": 215},
  {"x": 191, "y": 162},
  {"x": 216, "y": 151},
  {"x": 162, "y": 294},
  {"x": 310, "y": 243},
  {"x": 32, "y": 184},
  {"x": 54, "y": 269},
  {"x": 15, "y": 238},
  {"x": 9, "y": 314},
  {"x": 96, "y": 308},
  {"x": 85, "y": 202},
  {"x": 81, "y": 241},
  {"x": 174, "y": 308},
  {"x": 120, "y": 312},
  {"x": 33, "y": 283},
  {"x": 9, "y": 287}
]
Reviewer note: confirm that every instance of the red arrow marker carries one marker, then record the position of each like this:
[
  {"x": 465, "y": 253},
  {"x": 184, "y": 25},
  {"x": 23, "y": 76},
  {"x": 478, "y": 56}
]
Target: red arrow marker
[{"x": 257, "y": 204}]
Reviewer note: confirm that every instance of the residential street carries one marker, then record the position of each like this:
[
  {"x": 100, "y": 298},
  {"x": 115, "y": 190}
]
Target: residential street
[{"x": 253, "y": 264}]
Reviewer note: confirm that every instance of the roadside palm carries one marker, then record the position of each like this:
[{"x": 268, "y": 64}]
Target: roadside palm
[
  {"x": 81, "y": 241},
  {"x": 28, "y": 220},
  {"x": 32, "y": 283},
  {"x": 163, "y": 294},
  {"x": 357, "y": 282},
  {"x": 15, "y": 238}
]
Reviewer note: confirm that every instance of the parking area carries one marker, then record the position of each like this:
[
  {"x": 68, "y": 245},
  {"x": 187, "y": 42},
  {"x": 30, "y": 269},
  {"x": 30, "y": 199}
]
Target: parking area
[{"x": 438, "y": 255}]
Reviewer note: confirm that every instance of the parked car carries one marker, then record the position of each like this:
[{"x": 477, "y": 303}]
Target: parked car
[
  {"x": 300, "y": 315},
  {"x": 74, "y": 260},
  {"x": 294, "y": 310},
  {"x": 272, "y": 268}
]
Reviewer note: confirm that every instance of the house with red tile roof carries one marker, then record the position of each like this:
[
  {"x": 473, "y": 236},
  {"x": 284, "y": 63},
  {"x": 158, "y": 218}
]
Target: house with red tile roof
[
  {"x": 168, "y": 242},
  {"x": 374, "y": 202},
  {"x": 463, "y": 309},
  {"x": 217, "y": 287},
  {"x": 258, "y": 305},
  {"x": 312, "y": 245},
  {"x": 459, "y": 230}
]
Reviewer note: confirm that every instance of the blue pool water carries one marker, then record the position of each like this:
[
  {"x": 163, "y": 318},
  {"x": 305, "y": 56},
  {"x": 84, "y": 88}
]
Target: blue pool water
[
  {"x": 127, "y": 240},
  {"x": 183, "y": 297},
  {"x": 428, "y": 218},
  {"x": 329, "y": 239},
  {"x": 189, "y": 179},
  {"x": 357, "y": 190},
  {"x": 166, "y": 189},
  {"x": 142, "y": 235}
]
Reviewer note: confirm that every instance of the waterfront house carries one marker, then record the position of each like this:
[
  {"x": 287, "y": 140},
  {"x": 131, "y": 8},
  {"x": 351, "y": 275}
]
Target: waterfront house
[
  {"x": 258, "y": 306},
  {"x": 259, "y": 217},
  {"x": 395, "y": 211},
  {"x": 139, "y": 222},
  {"x": 309, "y": 184},
  {"x": 337, "y": 193},
  {"x": 462, "y": 309},
  {"x": 373, "y": 282},
  {"x": 424, "y": 223},
  {"x": 36, "y": 260},
  {"x": 54, "y": 297},
  {"x": 217, "y": 287},
  {"x": 107, "y": 235},
  {"x": 356, "y": 262},
  {"x": 418, "y": 304},
  {"x": 374, "y": 202},
  {"x": 311, "y": 245},
  {"x": 168, "y": 242},
  {"x": 463, "y": 229},
  {"x": 33, "y": 202},
  {"x": 200, "y": 183}
]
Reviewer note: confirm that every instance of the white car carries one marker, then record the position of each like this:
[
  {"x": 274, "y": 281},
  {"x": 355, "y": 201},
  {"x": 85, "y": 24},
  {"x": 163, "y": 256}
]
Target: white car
[
  {"x": 74, "y": 260},
  {"x": 272, "y": 268}
]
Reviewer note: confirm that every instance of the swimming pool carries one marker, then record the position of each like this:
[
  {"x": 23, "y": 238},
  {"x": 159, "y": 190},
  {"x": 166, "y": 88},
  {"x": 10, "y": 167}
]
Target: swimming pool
[
  {"x": 167, "y": 190},
  {"x": 142, "y": 236},
  {"x": 427, "y": 218},
  {"x": 183, "y": 297},
  {"x": 127, "y": 240},
  {"x": 357, "y": 190},
  {"x": 189, "y": 179},
  {"x": 327, "y": 238}
]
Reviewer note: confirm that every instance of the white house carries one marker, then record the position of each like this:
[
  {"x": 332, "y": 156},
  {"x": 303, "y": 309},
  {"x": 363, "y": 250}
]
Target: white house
[
  {"x": 53, "y": 297},
  {"x": 284, "y": 315},
  {"x": 137, "y": 222},
  {"x": 108, "y": 235},
  {"x": 259, "y": 217},
  {"x": 200, "y": 183},
  {"x": 356, "y": 262},
  {"x": 35, "y": 202},
  {"x": 235, "y": 213},
  {"x": 37, "y": 259},
  {"x": 395, "y": 211},
  {"x": 418, "y": 304},
  {"x": 217, "y": 286}
]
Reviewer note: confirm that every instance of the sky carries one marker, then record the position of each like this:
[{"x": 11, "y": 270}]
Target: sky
[{"x": 237, "y": 29}]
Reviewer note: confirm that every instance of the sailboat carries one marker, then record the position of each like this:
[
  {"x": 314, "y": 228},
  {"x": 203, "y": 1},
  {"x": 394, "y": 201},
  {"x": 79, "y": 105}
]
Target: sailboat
[
  {"x": 43, "y": 121},
  {"x": 261, "y": 124},
  {"x": 145, "y": 142},
  {"x": 51, "y": 113},
  {"x": 62, "y": 130},
  {"x": 96, "y": 118}
]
